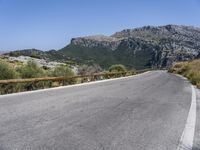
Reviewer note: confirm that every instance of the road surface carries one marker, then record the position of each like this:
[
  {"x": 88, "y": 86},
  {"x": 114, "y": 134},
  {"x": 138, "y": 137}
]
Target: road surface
[{"x": 143, "y": 112}]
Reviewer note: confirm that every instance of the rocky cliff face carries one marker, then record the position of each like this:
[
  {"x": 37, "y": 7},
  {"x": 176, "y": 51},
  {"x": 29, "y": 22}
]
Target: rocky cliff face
[
  {"x": 97, "y": 41},
  {"x": 142, "y": 47}
]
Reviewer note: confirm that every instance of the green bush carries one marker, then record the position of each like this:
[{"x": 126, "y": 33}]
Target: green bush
[
  {"x": 31, "y": 70},
  {"x": 117, "y": 68},
  {"x": 62, "y": 71},
  {"x": 7, "y": 72},
  {"x": 87, "y": 70}
]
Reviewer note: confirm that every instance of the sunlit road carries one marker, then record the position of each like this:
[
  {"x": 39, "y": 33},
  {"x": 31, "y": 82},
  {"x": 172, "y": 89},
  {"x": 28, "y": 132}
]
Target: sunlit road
[{"x": 145, "y": 112}]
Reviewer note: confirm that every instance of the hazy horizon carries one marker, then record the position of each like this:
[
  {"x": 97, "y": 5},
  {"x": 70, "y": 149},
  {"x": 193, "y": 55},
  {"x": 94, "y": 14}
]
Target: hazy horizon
[{"x": 50, "y": 24}]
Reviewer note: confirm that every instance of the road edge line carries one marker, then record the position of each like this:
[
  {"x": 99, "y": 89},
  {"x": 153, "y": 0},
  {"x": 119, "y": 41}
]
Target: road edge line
[{"x": 186, "y": 141}]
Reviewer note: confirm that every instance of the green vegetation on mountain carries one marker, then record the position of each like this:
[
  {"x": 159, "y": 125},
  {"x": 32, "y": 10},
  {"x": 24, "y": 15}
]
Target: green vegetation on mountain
[{"x": 101, "y": 56}]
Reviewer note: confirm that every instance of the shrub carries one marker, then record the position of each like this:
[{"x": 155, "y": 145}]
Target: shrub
[
  {"x": 87, "y": 70},
  {"x": 117, "y": 68},
  {"x": 31, "y": 70},
  {"x": 7, "y": 72},
  {"x": 62, "y": 71}
]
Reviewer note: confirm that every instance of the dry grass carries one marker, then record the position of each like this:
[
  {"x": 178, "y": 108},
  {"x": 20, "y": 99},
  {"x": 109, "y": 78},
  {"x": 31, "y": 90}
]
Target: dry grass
[{"x": 189, "y": 69}]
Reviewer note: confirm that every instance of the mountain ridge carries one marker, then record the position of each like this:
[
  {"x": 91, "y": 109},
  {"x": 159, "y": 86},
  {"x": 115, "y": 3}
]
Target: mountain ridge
[{"x": 144, "y": 47}]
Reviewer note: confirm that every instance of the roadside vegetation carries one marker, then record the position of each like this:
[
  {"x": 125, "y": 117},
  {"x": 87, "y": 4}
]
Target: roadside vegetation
[
  {"x": 31, "y": 69},
  {"x": 7, "y": 71},
  {"x": 188, "y": 69},
  {"x": 117, "y": 68},
  {"x": 88, "y": 70}
]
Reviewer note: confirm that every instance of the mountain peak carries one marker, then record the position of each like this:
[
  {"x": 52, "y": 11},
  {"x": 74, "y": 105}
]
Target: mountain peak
[{"x": 167, "y": 31}]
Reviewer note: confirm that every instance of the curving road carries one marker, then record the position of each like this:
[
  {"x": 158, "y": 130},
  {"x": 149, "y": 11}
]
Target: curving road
[{"x": 144, "y": 112}]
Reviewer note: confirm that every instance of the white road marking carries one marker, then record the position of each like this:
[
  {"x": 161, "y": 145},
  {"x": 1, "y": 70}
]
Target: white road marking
[
  {"x": 74, "y": 85},
  {"x": 186, "y": 141}
]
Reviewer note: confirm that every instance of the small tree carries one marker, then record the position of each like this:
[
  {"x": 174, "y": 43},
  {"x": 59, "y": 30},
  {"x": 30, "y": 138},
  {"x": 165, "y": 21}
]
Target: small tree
[{"x": 117, "y": 68}]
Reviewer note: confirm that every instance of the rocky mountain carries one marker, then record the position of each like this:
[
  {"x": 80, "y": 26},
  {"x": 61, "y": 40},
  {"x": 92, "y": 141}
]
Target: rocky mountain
[
  {"x": 140, "y": 48},
  {"x": 144, "y": 47}
]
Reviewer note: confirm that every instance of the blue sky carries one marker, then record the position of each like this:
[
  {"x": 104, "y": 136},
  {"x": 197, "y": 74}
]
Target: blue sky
[{"x": 50, "y": 24}]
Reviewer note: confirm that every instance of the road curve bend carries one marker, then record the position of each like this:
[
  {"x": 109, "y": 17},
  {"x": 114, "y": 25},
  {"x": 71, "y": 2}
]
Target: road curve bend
[{"x": 143, "y": 112}]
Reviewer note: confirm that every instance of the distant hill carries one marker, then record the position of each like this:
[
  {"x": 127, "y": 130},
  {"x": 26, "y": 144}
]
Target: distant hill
[
  {"x": 144, "y": 47},
  {"x": 51, "y": 55},
  {"x": 3, "y": 52}
]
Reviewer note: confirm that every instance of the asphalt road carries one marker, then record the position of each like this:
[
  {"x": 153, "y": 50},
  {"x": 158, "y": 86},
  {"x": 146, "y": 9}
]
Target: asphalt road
[{"x": 145, "y": 112}]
